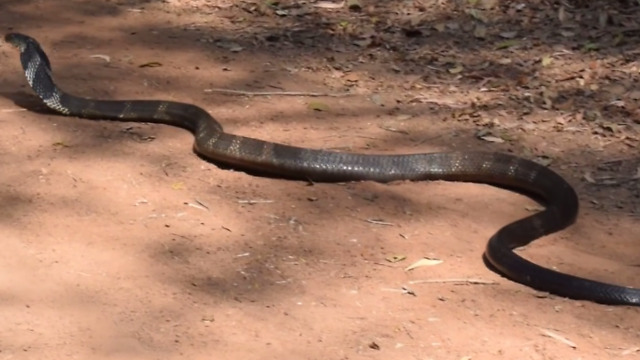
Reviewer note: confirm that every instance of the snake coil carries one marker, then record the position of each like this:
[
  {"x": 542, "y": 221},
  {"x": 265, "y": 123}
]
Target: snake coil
[{"x": 217, "y": 146}]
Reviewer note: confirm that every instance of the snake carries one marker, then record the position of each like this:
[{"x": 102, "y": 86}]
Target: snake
[{"x": 502, "y": 170}]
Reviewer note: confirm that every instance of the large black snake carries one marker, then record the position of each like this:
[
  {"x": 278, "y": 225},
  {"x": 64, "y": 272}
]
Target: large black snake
[{"x": 502, "y": 170}]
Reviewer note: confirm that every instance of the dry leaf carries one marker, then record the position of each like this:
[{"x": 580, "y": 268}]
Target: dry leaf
[
  {"x": 456, "y": 69},
  {"x": 631, "y": 351},
  {"x": 590, "y": 47},
  {"x": 534, "y": 208},
  {"x": 487, "y": 4},
  {"x": 603, "y": 18},
  {"x": 506, "y": 44},
  {"x": 60, "y": 144},
  {"x": 318, "y": 106},
  {"x": 423, "y": 262},
  {"x": 562, "y": 15},
  {"x": 543, "y": 160},
  {"x": 150, "y": 64},
  {"x": 508, "y": 34},
  {"x": 634, "y": 95},
  {"x": 477, "y": 14},
  {"x": 230, "y": 45},
  {"x": 439, "y": 27},
  {"x": 587, "y": 176},
  {"x": 177, "y": 186},
  {"x": 100, "y": 56},
  {"x": 329, "y": 5},
  {"x": 567, "y": 33},
  {"x": 480, "y": 31},
  {"x": 363, "y": 43},
  {"x": 491, "y": 138},
  {"x": 396, "y": 258}
]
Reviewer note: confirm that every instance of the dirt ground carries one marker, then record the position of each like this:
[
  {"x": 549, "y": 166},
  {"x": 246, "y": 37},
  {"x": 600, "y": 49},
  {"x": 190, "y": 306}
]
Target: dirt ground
[{"x": 120, "y": 243}]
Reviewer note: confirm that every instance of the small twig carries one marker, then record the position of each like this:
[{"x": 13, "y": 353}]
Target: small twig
[
  {"x": 383, "y": 264},
  {"x": 378, "y": 222},
  {"x": 426, "y": 99},
  {"x": 562, "y": 52},
  {"x": 407, "y": 332},
  {"x": 458, "y": 281},
  {"x": 632, "y": 350},
  {"x": 280, "y": 93},
  {"x": 198, "y": 205},
  {"x": 403, "y": 290},
  {"x": 251, "y": 202},
  {"x": 386, "y": 128},
  {"x": 408, "y": 291},
  {"x": 180, "y": 236},
  {"x": 568, "y": 78},
  {"x": 558, "y": 337}
]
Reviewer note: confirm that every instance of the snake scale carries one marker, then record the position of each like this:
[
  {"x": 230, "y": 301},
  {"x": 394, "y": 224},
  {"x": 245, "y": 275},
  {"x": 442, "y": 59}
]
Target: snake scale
[{"x": 253, "y": 155}]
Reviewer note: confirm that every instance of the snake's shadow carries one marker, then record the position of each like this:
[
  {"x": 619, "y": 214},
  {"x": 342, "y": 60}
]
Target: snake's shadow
[
  {"x": 490, "y": 266},
  {"x": 27, "y": 101}
]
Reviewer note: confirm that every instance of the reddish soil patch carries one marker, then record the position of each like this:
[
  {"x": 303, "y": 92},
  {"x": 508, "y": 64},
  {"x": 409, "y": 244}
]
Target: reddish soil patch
[{"x": 120, "y": 243}]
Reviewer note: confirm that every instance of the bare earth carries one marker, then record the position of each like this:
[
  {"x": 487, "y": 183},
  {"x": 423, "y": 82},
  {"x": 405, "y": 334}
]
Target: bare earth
[{"x": 119, "y": 243}]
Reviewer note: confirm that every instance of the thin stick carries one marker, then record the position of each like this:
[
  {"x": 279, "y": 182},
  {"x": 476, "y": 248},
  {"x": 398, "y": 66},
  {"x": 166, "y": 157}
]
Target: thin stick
[
  {"x": 459, "y": 281},
  {"x": 252, "y": 202},
  {"x": 280, "y": 93},
  {"x": 379, "y": 222}
]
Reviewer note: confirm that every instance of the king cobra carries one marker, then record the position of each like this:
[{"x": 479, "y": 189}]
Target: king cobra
[{"x": 279, "y": 160}]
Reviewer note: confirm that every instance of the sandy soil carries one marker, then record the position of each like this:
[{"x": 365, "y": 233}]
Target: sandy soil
[{"x": 120, "y": 243}]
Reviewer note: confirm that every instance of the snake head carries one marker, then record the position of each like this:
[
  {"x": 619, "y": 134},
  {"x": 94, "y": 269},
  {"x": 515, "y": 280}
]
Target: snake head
[
  {"x": 29, "y": 48},
  {"x": 20, "y": 41}
]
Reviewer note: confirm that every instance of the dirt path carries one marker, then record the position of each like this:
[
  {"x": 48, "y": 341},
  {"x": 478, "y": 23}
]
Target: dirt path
[{"x": 120, "y": 243}]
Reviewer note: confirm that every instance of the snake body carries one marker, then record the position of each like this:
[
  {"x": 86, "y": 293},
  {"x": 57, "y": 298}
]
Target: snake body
[{"x": 253, "y": 155}]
